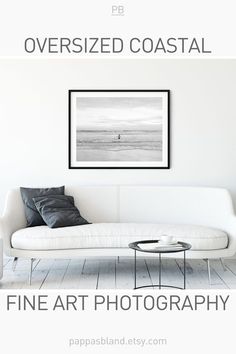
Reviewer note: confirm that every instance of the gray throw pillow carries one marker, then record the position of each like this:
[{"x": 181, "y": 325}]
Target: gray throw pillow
[
  {"x": 32, "y": 215},
  {"x": 59, "y": 211}
]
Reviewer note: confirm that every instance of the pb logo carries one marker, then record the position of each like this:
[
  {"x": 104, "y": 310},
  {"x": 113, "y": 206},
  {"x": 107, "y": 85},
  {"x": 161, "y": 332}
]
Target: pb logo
[{"x": 117, "y": 10}]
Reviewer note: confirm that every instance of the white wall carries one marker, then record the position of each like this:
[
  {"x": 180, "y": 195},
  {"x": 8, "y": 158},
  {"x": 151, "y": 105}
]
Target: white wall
[{"x": 33, "y": 120}]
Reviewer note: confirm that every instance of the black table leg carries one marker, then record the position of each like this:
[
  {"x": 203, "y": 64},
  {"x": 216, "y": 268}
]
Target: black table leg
[
  {"x": 158, "y": 253},
  {"x": 184, "y": 271},
  {"x": 159, "y": 270}
]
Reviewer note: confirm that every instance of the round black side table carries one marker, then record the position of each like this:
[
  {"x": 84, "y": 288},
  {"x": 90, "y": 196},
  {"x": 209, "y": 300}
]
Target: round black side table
[{"x": 163, "y": 249}]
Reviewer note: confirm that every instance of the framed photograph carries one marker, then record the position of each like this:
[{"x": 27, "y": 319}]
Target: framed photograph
[{"x": 119, "y": 128}]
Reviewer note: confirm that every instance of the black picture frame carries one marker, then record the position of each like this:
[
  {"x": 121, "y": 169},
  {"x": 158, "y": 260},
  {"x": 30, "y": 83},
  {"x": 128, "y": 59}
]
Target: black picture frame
[{"x": 72, "y": 91}]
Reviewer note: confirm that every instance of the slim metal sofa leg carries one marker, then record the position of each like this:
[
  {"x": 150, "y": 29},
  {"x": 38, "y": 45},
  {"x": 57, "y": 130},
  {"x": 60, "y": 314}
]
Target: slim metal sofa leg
[
  {"x": 118, "y": 259},
  {"x": 209, "y": 271},
  {"x": 31, "y": 270},
  {"x": 14, "y": 263},
  {"x": 223, "y": 265}
]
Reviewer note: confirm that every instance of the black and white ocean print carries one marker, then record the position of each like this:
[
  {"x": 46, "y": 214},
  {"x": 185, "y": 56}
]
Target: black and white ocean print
[{"x": 119, "y": 128}]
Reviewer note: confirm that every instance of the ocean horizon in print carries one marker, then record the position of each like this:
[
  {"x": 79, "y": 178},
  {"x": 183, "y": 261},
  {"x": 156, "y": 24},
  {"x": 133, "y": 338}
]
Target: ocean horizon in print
[{"x": 119, "y": 129}]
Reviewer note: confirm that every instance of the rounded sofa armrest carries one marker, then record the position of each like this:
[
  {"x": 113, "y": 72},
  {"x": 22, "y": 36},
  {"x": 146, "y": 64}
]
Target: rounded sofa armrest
[
  {"x": 7, "y": 228},
  {"x": 13, "y": 218},
  {"x": 231, "y": 231}
]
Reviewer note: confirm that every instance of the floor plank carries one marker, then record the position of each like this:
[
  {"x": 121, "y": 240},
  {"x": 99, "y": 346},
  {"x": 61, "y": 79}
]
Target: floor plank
[
  {"x": 56, "y": 274},
  {"x": 39, "y": 274},
  {"x": 6, "y": 261},
  {"x": 124, "y": 273},
  {"x": 197, "y": 275},
  {"x": 142, "y": 273},
  {"x": 89, "y": 274},
  {"x": 72, "y": 274},
  {"x": 231, "y": 265},
  {"x": 109, "y": 273},
  {"x": 16, "y": 279}
]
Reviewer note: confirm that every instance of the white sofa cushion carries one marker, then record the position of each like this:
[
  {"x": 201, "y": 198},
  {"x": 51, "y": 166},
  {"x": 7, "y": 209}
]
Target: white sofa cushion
[{"x": 110, "y": 235}]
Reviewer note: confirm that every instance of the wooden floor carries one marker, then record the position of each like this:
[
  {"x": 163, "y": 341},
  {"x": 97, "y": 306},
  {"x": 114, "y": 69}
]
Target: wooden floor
[{"x": 94, "y": 273}]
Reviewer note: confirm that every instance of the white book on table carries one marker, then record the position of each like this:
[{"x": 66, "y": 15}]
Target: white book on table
[{"x": 156, "y": 245}]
